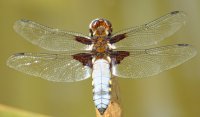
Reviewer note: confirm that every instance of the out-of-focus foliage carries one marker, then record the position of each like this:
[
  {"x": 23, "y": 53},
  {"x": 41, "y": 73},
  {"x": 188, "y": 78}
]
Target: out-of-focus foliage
[
  {"x": 6, "y": 111},
  {"x": 174, "y": 93}
]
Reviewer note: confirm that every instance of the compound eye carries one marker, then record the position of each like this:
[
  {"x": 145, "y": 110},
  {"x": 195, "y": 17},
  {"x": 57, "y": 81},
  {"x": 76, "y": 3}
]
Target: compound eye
[
  {"x": 109, "y": 24},
  {"x": 95, "y": 24}
]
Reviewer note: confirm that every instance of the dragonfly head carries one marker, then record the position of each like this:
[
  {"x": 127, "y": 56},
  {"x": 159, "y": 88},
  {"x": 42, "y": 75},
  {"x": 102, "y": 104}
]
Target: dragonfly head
[{"x": 100, "y": 27}]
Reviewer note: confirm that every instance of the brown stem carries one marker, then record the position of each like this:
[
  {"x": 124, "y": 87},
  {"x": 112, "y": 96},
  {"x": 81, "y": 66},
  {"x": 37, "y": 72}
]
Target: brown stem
[{"x": 114, "y": 108}]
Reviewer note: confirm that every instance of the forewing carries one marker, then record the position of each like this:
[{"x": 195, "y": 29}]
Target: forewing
[
  {"x": 149, "y": 62},
  {"x": 150, "y": 33},
  {"x": 53, "y": 67},
  {"x": 51, "y": 39}
]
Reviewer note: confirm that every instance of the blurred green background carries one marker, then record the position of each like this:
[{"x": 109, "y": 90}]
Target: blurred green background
[{"x": 174, "y": 93}]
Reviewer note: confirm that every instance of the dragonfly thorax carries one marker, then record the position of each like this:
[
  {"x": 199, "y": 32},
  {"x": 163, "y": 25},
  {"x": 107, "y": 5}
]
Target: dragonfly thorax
[{"x": 101, "y": 47}]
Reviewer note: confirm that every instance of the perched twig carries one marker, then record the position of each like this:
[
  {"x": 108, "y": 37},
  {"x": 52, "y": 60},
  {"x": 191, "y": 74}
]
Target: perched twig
[{"x": 114, "y": 109}]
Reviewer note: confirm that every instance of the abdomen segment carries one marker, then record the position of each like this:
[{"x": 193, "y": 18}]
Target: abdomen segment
[{"x": 101, "y": 84}]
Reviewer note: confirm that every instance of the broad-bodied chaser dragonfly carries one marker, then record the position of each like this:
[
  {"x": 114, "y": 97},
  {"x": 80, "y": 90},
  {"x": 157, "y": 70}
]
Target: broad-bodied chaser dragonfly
[{"x": 102, "y": 54}]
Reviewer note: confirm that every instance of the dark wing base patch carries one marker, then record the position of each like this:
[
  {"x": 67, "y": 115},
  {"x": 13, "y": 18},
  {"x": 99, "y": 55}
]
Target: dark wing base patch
[
  {"x": 84, "y": 58},
  {"x": 83, "y": 40},
  {"x": 117, "y": 38},
  {"x": 118, "y": 56}
]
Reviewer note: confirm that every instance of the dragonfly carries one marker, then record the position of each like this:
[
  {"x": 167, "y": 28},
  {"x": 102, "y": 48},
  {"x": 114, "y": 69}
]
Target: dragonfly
[{"x": 103, "y": 54}]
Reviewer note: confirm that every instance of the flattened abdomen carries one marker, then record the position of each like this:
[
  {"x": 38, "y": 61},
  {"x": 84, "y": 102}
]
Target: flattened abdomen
[{"x": 101, "y": 82}]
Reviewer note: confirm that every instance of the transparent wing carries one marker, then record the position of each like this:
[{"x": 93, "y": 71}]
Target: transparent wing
[
  {"x": 152, "y": 32},
  {"x": 53, "y": 67},
  {"x": 149, "y": 62},
  {"x": 49, "y": 38}
]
